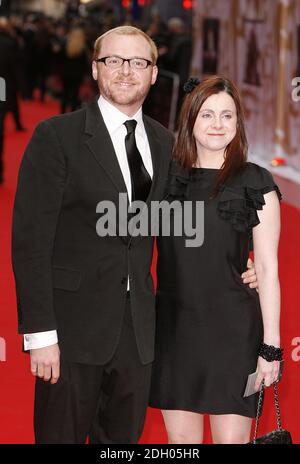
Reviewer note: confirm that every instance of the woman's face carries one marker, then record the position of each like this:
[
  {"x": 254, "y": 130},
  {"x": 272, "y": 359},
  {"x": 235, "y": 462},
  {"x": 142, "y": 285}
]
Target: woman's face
[{"x": 215, "y": 126}]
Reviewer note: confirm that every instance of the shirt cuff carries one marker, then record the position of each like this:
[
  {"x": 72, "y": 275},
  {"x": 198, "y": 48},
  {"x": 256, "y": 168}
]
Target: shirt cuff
[{"x": 40, "y": 340}]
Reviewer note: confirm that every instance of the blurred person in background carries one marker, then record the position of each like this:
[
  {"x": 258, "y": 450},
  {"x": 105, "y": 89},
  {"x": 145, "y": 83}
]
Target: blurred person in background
[
  {"x": 8, "y": 74},
  {"x": 29, "y": 56},
  {"x": 43, "y": 54},
  {"x": 158, "y": 31},
  {"x": 8, "y": 35},
  {"x": 74, "y": 67},
  {"x": 176, "y": 56}
]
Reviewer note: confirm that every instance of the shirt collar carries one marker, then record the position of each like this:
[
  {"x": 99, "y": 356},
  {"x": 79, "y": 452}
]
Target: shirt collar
[{"x": 114, "y": 118}]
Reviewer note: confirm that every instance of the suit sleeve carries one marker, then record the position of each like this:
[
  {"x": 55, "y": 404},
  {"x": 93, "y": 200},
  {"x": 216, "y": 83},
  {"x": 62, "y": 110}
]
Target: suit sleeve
[{"x": 36, "y": 210}]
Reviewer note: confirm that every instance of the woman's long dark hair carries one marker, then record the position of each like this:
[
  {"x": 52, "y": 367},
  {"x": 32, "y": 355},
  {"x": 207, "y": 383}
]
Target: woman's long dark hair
[{"x": 185, "y": 150}]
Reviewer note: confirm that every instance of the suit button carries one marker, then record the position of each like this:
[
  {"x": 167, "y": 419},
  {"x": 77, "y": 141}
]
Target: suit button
[{"x": 124, "y": 280}]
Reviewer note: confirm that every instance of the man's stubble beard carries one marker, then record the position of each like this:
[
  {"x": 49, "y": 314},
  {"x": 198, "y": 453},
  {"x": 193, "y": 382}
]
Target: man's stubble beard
[{"x": 125, "y": 98}]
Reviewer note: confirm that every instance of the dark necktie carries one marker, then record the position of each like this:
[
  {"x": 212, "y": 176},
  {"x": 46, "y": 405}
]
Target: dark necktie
[{"x": 140, "y": 179}]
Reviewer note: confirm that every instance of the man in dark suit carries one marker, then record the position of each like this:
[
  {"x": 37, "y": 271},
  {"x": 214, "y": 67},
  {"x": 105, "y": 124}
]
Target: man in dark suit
[{"x": 85, "y": 302}]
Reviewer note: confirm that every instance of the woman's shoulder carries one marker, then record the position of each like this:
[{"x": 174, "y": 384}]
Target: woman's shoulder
[
  {"x": 242, "y": 196},
  {"x": 178, "y": 181},
  {"x": 177, "y": 170},
  {"x": 256, "y": 177},
  {"x": 254, "y": 172}
]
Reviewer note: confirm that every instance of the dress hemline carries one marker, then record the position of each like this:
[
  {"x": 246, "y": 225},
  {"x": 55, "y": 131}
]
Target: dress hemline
[{"x": 204, "y": 410}]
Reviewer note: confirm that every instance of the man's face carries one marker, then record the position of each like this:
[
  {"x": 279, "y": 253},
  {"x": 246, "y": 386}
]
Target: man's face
[{"x": 125, "y": 88}]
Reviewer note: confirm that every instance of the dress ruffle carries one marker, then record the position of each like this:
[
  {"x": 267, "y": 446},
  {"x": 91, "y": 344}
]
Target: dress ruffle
[
  {"x": 240, "y": 205},
  {"x": 237, "y": 204},
  {"x": 178, "y": 183}
]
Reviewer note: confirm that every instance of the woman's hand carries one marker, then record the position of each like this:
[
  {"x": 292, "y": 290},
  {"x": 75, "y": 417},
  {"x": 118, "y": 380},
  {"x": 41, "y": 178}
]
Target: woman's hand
[{"x": 268, "y": 371}]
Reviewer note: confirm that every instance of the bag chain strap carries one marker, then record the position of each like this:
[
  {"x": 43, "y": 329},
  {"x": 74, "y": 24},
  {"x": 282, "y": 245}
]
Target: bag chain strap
[{"x": 259, "y": 408}]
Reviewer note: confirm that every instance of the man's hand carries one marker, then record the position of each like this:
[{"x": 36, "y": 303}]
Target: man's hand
[
  {"x": 45, "y": 362},
  {"x": 249, "y": 277}
]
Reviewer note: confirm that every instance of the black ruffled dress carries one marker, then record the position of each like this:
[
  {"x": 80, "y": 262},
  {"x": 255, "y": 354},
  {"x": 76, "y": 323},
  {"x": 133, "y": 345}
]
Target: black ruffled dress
[{"x": 209, "y": 324}]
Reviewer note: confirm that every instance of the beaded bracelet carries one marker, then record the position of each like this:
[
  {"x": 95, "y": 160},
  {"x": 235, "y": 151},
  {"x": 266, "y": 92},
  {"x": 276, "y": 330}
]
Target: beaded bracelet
[{"x": 270, "y": 353}]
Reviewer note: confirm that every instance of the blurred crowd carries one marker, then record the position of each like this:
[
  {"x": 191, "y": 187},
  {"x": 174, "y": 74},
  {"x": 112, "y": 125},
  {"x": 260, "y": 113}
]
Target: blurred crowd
[{"x": 42, "y": 56}]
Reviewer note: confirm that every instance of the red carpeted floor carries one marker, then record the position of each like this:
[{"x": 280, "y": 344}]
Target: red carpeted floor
[{"x": 16, "y": 382}]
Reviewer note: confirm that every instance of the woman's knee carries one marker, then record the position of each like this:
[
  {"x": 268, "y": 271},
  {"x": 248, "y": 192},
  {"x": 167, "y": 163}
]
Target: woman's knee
[
  {"x": 181, "y": 437},
  {"x": 230, "y": 429},
  {"x": 183, "y": 427},
  {"x": 231, "y": 439}
]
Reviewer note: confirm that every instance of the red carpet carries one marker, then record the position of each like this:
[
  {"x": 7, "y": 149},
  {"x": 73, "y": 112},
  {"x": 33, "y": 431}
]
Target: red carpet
[{"x": 16, "y": 382}]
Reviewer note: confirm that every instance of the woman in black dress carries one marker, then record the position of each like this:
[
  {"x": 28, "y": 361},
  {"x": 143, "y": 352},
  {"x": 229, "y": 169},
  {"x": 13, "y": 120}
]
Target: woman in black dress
[{"x": 212, "y": 330}]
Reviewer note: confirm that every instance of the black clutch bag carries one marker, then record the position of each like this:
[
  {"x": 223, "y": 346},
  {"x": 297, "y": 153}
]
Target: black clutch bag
[{"x": 278, "y": 436}]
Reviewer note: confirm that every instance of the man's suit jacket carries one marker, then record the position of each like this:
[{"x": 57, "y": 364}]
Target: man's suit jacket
[{"x": 67, "y": 277}]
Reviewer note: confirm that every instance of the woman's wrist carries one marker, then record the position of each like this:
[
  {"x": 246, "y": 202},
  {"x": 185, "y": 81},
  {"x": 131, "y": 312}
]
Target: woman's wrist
[
  {"x": 270, "y": 352},
  {"x": 272, "y": 340},
  {"x": 275, "y": 343}
]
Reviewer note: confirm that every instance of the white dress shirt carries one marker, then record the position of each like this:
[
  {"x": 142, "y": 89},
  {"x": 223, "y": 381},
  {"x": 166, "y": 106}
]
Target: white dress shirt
[{"x": 114, "y": 121}]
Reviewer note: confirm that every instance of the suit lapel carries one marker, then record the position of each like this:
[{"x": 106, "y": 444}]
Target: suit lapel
[{"x": 101, "y": 146}]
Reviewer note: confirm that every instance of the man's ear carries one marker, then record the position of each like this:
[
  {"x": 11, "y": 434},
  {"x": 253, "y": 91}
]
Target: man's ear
[
  {"x": 154, "y": 74},
  {"x": 94, "y": 70}
]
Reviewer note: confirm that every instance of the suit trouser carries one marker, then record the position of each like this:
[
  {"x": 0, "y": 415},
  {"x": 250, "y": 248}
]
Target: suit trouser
[{"x": 107, "y": 403}]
